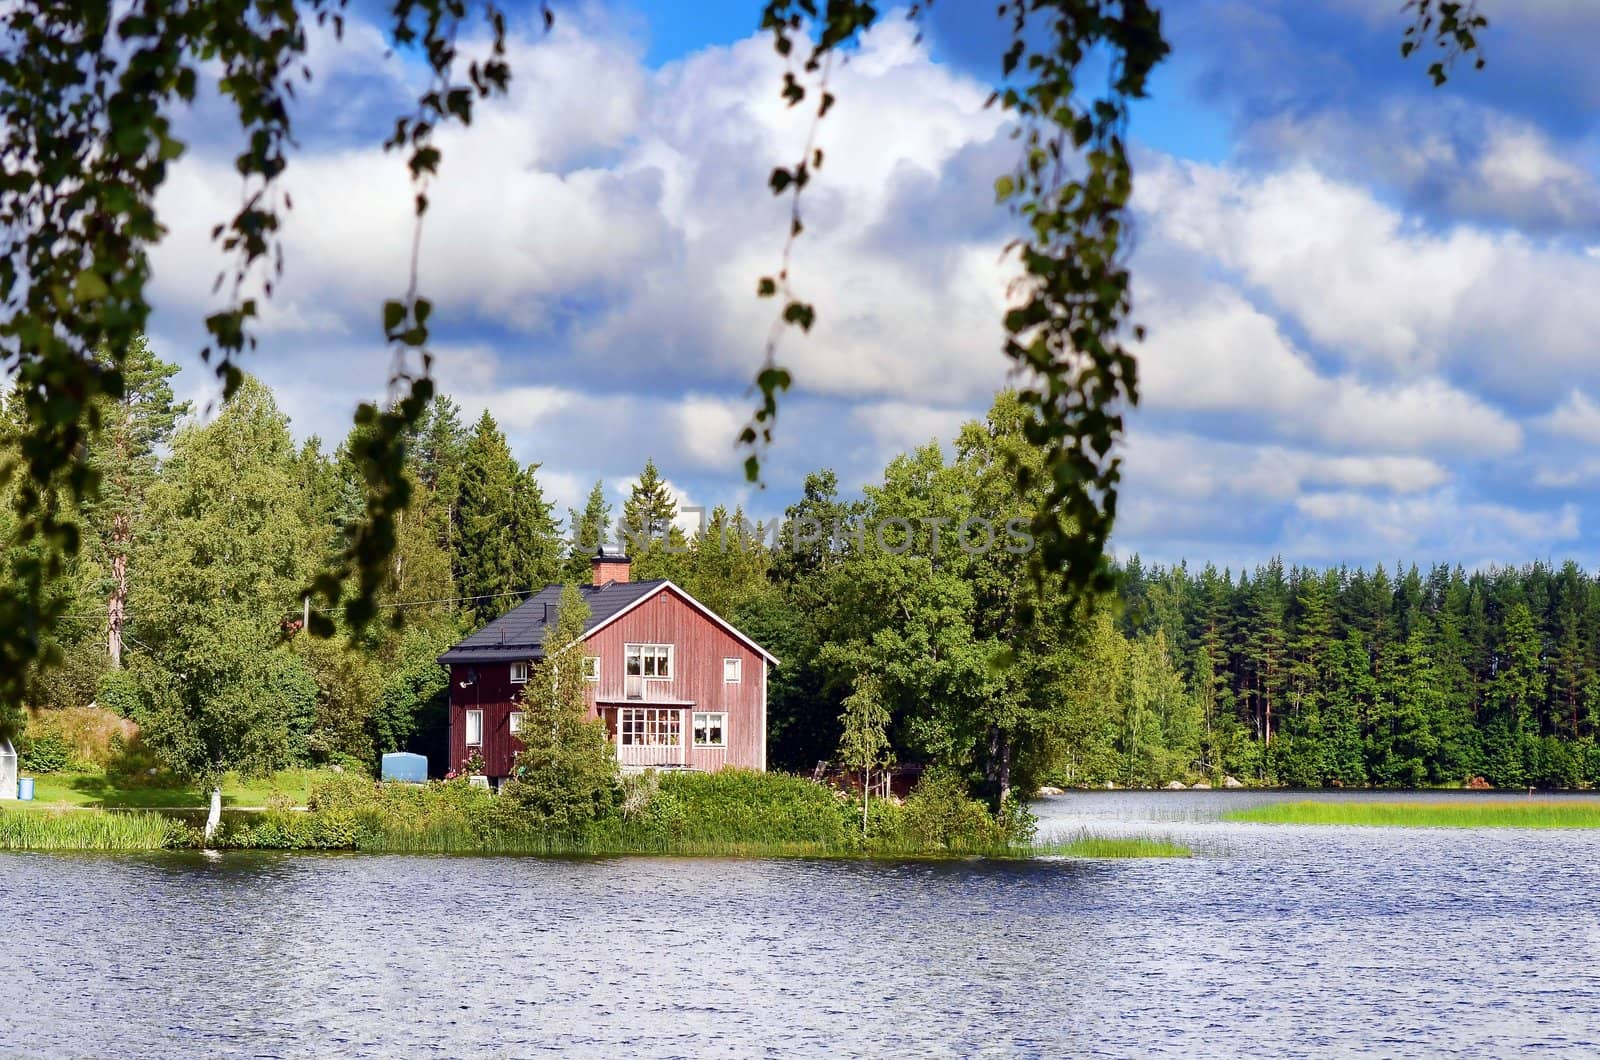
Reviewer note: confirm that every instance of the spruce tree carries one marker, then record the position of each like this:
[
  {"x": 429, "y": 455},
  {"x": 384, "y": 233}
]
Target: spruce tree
[
  {"x": 505, "y": 542},
  {"x": 587, "y": 531}
]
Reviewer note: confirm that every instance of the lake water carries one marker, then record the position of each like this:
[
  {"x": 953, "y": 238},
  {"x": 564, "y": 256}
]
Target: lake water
[{"x": 1273, "y": 940}]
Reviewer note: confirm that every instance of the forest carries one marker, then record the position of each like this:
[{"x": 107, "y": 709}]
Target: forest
[{"x": 183, "y": 613}]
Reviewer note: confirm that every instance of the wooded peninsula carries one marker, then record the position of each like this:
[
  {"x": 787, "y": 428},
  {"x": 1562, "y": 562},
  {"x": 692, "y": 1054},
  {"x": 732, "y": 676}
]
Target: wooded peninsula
[{"x": 182, "y": 614}]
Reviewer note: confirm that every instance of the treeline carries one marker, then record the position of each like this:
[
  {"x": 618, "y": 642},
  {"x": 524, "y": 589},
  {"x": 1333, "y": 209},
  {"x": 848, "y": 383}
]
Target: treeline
[
  {"x": 1323, "y": 677},
  {"x": 920, "y": 619}
]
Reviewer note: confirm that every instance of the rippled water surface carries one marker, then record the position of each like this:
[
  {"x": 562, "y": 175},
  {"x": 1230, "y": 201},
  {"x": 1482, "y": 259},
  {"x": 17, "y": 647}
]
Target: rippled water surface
[{"x": 1273, "y": 940}]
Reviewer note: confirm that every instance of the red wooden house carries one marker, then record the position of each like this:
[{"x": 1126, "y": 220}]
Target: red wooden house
[{"x": 677, "y": 687}]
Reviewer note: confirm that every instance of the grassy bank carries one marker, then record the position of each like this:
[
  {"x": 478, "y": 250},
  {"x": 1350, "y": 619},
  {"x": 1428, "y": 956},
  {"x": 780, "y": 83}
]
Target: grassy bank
[
  {"x": 91, "y": 830},
  {"x": 101, "y": 790},
  {"x": 728, "y": 814},
  {"x": 1532, "y": 813}
]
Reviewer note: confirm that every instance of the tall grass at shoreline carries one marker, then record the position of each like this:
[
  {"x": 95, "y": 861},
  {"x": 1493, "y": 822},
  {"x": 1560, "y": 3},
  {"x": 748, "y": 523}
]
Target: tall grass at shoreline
[
  {"x": 1532, "y": 813},
  {"x": 1092, "y": 846},
  {"x": 89, "y": 830}
]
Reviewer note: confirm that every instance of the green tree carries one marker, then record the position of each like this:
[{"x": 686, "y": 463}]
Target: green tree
[
  {"x": 650, "y": 532},
  {"x": 135, "y": 427},
  {"x": 864, "y": 743},
  {"x": 506, "y": 541},
  {"x": 224, "y": 564},
  {"x": 587, "y": 531},
  {"x": 565, "y": 776}
]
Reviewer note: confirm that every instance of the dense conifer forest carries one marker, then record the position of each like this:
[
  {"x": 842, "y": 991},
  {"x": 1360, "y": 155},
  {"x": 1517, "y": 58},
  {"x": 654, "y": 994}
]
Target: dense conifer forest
[{"x": 183, "y": 613}]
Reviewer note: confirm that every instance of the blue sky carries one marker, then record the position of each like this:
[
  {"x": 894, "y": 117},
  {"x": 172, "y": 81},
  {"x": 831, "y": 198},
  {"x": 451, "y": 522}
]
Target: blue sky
[{"x": 1368, "y": 300}]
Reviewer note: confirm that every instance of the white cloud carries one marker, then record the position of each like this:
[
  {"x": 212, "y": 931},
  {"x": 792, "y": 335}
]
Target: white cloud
[
  {"x": 1439, "y": 523},
  {"x": 1326, "y": 370},
  {"x": 1577, "y": 418},
  {"x": 708, "y": 428},
  {"x": 1212, "y": 351}
]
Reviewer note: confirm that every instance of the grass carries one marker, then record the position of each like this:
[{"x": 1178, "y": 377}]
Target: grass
[
  {"x": 56, "y": 790},
  {"x": 94, "y": 830},
  {"x": 1089, "y": 846},
  {"x": 1533, "y": 813}
]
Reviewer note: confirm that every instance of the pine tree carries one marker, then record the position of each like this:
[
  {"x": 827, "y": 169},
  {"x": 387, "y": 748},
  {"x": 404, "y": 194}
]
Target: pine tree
[{"x": 134, "y": 430}]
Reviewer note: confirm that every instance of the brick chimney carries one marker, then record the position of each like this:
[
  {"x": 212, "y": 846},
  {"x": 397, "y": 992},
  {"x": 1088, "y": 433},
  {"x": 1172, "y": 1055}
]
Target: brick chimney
[{"x": 610, "y": 566}]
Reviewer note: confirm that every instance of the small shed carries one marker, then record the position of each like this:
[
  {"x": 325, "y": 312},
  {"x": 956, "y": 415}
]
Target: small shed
[
  {"x": 8, "y": 769},
  {"x": 405, "y": 767}
]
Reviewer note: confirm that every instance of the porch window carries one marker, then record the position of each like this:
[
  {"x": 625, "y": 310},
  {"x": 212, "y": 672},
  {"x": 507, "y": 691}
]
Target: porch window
[
  {"x": 733, "y": 670},
  {"x": 474, "y": 728},
  {"x": 710, "y": 730},
  {"x": 516, "y": 722},
  {"x": 648, "y": 660},
  {"x": 519, "y": 673},
  {"x": 649, "y": 727},
  {"x": 591, "y": 667}
]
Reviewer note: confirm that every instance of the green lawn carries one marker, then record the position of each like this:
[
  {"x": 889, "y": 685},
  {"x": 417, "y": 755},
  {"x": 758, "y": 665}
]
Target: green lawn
[
  {"x": 1467, "y": 813},
  {"x": 93, "y": 789}
]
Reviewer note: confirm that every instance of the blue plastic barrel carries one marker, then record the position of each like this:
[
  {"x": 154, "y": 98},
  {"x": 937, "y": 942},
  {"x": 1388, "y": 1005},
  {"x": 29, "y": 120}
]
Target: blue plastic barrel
[
  {"x": 25, "y": 789},
  {"x": 406, "y": 768}
]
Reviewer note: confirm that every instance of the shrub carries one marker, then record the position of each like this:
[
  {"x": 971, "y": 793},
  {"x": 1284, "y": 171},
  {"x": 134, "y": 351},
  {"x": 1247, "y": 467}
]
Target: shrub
[
  {"x": 940, "y": 815},
  {"x": 45, "y": 752},
  {"x": 118, "y": 692},
  {"x": 133, "y": 764},
  {"x": 742, "y": 806}
]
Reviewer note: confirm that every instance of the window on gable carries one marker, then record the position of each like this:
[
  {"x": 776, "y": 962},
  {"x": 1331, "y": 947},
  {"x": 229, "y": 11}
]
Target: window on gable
[
  {"x": 711, "y": 730},
  {"x": 733, "y": 670},
  {"x": 591, "y": 667},
  {"x": 474, "y": 728},
  {"x": 516, "y": 722},
  {"x": 648, "y": 660},
  {"x": 519, "y": 673}
]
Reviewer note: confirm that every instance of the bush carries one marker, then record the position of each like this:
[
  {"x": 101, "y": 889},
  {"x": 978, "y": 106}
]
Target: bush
[
  {"x": 741, "y": 806},
  {"x": 133, "y": 764},
  {"x": 46, "y": 752},
  {"x": 939, "y": 815},
  {"x": 118, "y": 692}
]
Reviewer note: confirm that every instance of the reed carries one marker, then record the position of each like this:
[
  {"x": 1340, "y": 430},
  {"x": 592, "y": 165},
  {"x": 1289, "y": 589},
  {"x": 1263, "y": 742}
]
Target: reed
[
  {"x": 89, "y": 830},
  {"x": 1092, "y": 846},
  {"x": 1467, "y": 813}
]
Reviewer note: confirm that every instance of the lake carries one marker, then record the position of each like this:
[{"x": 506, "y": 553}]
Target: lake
[{"x": 1272, "y": 940}]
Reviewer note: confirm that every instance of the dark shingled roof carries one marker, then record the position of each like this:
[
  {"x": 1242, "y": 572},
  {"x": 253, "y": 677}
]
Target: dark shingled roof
[{"x": 519, "y": 633}]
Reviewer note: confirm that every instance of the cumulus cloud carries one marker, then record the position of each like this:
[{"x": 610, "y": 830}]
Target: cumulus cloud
[{"x": 1330, "y": 366}]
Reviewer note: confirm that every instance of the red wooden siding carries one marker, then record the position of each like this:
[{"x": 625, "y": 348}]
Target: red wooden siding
[
  {"x": 699, "y": 648},
  {"x": 497, "y": 697}
]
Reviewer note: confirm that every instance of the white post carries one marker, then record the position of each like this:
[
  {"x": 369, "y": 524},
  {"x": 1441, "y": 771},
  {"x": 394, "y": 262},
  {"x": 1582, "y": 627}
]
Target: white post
[{"x": 214, "y": 818}]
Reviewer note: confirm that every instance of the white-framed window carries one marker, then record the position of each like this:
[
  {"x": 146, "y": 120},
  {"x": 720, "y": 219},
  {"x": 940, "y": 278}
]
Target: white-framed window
[
  {"x": 733, "y": 670},
  {"x": 591, "y": 667},
  {"x": 516, "y": 722},
  {"x": 648, "y": 660},
  {"x": 474, "y": 728},
  {"x": 711, "y": 730},
  {"x": 649, "y": 727},
  {"x": 519, "y": 673}
]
